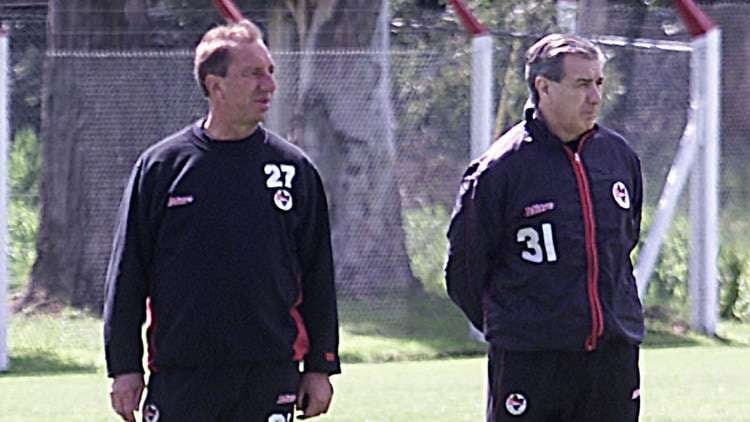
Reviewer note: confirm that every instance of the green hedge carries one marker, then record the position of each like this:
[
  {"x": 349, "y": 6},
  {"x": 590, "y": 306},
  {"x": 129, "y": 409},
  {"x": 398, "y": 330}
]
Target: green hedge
[{"x": 23, "y": 224}]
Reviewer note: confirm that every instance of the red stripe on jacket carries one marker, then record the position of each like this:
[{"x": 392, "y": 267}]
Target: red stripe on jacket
[
  {"x": 302, "y": 342},
  {"x": 592, "y": 256}
]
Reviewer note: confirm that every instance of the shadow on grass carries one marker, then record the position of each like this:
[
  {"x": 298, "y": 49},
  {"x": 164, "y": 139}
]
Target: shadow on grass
[
  {"x": 661, "y": 339},
  {"x": 431, "y": 327},
  {"x": 34, "y": 363},
  {"x": 666, "y": 329},
  {"x": 426, "y": 322}
]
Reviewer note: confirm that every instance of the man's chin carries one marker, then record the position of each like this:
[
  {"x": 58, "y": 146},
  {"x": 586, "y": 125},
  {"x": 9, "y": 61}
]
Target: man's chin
[
  {"x": 259, "y": 116},
  {"x": 590, "y": 123}
]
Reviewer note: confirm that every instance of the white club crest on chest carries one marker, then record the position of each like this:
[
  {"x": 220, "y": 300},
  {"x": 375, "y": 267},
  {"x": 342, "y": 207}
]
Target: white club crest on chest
[{"x": 621, "y": 195}]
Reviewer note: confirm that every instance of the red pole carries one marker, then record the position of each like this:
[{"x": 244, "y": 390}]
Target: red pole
[
  {"x": 229, "y": 10},
  {"x": 696, "y": 20},
  {"x": 470, "y": 22}
]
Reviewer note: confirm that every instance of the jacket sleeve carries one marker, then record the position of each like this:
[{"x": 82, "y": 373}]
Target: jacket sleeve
[
  {"x": 126, "y": 283},
  {"x": 472, "y": 239},
  {"x": 318, "y": 308}
]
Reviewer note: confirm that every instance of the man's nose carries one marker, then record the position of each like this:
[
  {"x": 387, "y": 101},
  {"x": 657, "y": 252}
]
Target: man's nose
[
  {"x": 594, "y": 96},
  {"x": 268, "y": 83}
]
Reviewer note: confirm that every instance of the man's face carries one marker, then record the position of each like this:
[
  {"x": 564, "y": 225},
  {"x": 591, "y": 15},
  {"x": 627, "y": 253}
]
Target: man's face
[
  {"x": 572, "y": 105},
  {"x": 249, "y": 83}
]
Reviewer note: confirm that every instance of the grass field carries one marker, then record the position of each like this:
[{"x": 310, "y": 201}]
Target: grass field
[{"x": 58, "y": 375}]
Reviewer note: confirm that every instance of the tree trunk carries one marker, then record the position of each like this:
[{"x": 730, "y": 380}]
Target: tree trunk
[
  {"x": 281, "y": 38},
  {"x": 63, "y": 272},
  {"x": 99, "y": 113},
  {"x": 343, "y": 119}
]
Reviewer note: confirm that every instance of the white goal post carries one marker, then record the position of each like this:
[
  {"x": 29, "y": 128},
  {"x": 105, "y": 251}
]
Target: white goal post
[
  {"x": 4, "y": 250},
  {"x": 698, "y": 159},
  {"x": 482, "y": 79}
]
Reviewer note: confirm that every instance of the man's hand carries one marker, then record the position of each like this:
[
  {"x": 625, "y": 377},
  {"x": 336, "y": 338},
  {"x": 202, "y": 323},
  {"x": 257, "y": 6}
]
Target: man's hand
[
  {"x": 126, "y": 394},
  {"x": 314, "y": 394}
]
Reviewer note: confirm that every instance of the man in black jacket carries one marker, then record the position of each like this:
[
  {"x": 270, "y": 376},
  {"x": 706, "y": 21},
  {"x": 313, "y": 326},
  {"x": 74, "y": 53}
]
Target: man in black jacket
[
  {"x": 540, "y": 244},
  {"x": 224, "y": 241}
]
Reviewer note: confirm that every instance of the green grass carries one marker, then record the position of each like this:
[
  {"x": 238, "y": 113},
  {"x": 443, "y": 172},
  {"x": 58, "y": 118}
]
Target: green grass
[
  {"x": 58, "y": 373},
  {"x": 708, "y": 384},
  {"x": 68, "y": 342},
  {"x": 428, "y": 328},
  {"x": 55, "y": 397},
  {"x": 57, "y": 370}
]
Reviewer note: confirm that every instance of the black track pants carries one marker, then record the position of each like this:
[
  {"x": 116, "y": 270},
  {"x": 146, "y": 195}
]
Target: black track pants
[
  {"x": 262, "y": 393},
  {"x": 598, "y": 386}
]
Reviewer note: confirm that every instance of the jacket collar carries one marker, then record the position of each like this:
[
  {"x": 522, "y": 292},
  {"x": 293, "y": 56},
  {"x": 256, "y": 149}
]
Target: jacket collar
[{"x": 538, "y": 130}]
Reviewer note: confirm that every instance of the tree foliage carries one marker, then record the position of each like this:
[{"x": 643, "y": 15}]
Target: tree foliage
[
  {"x": 27, "y": 52},
  {"x": 24, "y": 164},
  {"x": 444, "y": 93}
]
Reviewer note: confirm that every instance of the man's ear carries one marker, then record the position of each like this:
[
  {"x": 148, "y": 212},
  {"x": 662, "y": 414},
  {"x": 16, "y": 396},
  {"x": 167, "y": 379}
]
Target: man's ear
[
  {"x": 214, "y": 86},
  {"x": 542, "y": 86}
]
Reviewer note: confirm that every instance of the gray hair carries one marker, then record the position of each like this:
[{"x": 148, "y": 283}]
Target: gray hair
[{"x": 545, "y": 58}]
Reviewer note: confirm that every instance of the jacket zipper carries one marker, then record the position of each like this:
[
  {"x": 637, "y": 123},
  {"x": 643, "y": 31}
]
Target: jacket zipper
[{"x": 592, "y": 257}]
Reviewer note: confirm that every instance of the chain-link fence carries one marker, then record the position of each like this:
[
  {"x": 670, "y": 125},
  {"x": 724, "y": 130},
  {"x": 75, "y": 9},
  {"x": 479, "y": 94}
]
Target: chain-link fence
[{"x": 126, "y": 100}]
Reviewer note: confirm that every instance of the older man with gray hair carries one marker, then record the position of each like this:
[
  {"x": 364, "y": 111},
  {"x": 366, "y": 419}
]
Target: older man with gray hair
[{"x": 540, "y": 243}]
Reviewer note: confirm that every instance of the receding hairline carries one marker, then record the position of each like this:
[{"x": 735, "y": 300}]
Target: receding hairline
[
  {"x": 560, "y": 45},
  {"x": 243, "y": 30},
  {"x": 206, "y": 49},
  {"x": 586, "y": 58},
  {"x": 227, "y": 36}
]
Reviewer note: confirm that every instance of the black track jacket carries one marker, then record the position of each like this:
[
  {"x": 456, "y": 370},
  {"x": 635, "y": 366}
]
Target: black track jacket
[
  {"x": 228, "y": 245},
  {"x": 540, "y": 241}
]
